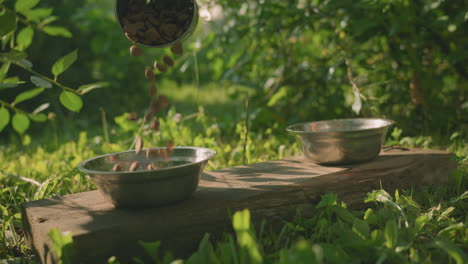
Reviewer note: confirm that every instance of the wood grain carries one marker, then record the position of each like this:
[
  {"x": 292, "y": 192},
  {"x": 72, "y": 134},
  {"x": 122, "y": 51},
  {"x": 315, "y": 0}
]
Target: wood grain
[{"x": 273, "y": 190}]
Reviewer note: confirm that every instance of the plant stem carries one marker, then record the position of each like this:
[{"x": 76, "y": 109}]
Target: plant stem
[
  {"x": 47, "y": 79},
  {"x": 246, "y": 129},
  {"x": 4, "y": 103},
  {"x": 104, "y": 125}
]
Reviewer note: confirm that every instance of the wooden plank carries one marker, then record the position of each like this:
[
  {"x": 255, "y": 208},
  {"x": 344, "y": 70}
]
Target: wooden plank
[{"x": 272, "y": 190}]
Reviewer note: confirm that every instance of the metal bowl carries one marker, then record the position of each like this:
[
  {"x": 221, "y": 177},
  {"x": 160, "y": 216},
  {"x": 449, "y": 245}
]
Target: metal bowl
[
  {"x": 175, "y": 180},
  {"x": 342, "y": 141}
]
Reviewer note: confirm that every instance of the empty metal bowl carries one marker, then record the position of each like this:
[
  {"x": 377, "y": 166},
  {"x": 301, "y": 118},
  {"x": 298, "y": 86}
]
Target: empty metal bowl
[
  {"x": 175, "y": 179},
  {"x": 342, "y": 141}
]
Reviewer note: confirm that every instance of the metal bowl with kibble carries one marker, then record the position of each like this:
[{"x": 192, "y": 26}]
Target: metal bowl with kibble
[{"x": 158, "y": 179}]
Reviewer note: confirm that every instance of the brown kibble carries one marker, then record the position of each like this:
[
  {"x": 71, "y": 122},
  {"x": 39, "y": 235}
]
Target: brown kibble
[
  {"x": 163, "y": 101},
  {"x": 177, "y": 48},
  {"x": 136, "y": 51},
  {"x": 152, "y": 35},
  {"x": 149, "y": 75},
  {"x": 169, "y": 30},
  {"x": 113, "y": 158},
  {"x": 168, "y": 60},
  {"x": 163, "y": 153},
  {"x": 117, "y": 167},
  {"x": 130, "y": 37},
  {"x": 154, "y": 21},
  {"x": 170, "y": 146},
  {"x": 133, "y": 28},
  {"x": 151, "y": 153},
  {"x": 134, "y": 166},
  {"x": 155, "y": 107},
  {"x": 138, "y": 145},
  {"x": 153, "y": 90},
  {"x": 155, "y": 125},
  {"x": 160, "y": 67}
]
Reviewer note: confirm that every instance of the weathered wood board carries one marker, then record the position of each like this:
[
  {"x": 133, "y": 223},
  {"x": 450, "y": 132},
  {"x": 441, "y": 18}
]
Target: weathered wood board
[{"x": 271, "y": 190}]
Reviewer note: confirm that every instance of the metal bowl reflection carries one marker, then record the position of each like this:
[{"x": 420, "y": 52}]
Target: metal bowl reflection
[
  {"x": 342, "y": 141},
  {"x": 176, "y": 178}
]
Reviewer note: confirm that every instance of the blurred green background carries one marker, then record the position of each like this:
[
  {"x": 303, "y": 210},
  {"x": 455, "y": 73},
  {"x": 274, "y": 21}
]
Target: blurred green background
[{"x": 292, "y": 59}]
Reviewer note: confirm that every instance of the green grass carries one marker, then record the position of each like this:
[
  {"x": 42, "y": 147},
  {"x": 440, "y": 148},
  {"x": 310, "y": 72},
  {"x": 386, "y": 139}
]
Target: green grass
[{"x": 423, "y": 225}]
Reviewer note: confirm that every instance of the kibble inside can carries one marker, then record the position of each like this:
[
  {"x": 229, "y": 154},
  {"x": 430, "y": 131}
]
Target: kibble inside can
[{"x": 157, "y": 23}]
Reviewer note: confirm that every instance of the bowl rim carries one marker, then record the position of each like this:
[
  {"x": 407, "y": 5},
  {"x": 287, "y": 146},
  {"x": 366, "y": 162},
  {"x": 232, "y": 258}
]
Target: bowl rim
[
  {"x": 389, "y": 123},
  {"x": 81, "y": 165}
]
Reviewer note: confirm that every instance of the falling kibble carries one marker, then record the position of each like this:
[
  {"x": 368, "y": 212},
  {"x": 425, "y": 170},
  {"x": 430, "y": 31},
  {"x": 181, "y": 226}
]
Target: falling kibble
[
  {"x": 131, "y": 37},
  {"x": 153, "y": 90},
  {"x": 136, "y": 51},
  {"x": 168, "y": 60},
  {"x": 149, "y": 75},
  {"x": 155, "y": 125},
  {"x": 138, "y": 145},
  {"x": 177, "y": 48},
  {"x": 170, "y": 146},
  {"x": 163, "y": 153},
  {"x": 163, "y": 101},
  {"x": 134, "y": 166},
  {"x": 117, "y": 167},
  {"x": 155, "y": 107},
  {"x": 160, "y": 67}
]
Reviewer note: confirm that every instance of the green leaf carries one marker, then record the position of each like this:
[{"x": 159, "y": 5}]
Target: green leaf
[
  {"x": 71, "y": 101},
  {"x": 151, "y": 248},
  {"x": 6, "y": 85},
  {"x": 328, "y": 200},
  {"x": 124, "y": 123},
  {"x": 57, "y": 31},
  {"x": 48, "y": 20},
  {"x": 204, "y": 254},
  {"x": 391, "y": 233},
  {"x": 64, "y": 63},
  {"x": 28, "y": 95},
  {"x": 63, "y": 245},
  {"x": 39, "y": 82},
  {"x": 8, "y": 22},
  {"x": 13, "y": 55},
  {"x": 452, "y": 250},
  {"x": 4, "y": 70},
  {"x": 41, "y": 117},
  {"x": 4, "y": 118},
  {"x": 38, "y": 13},
  {"x": 20, "y": 122},
  {"x": 370, "y": 217},
  {"x": 25, "y": 37},
  {"x": 279, "y": 96},
  {"x": 24, "y": 5},
  {"x": 361, "y": 228},
  {"x": 25, "y": 63},
  {"x": 445, "y": 214},
  {"x": 420, "y": 222},
  {"x": 89, "y": 87},
  {"x": 452, "y": 229},
  {"x": 245, "y": 235}
]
